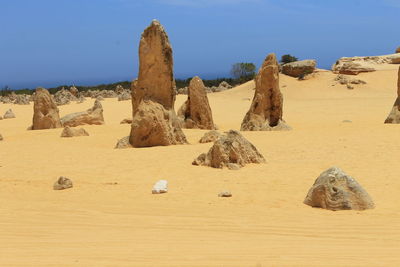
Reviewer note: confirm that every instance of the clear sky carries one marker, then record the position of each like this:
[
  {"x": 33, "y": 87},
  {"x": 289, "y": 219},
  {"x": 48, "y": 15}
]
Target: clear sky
[{"x": 53, "y": 42}]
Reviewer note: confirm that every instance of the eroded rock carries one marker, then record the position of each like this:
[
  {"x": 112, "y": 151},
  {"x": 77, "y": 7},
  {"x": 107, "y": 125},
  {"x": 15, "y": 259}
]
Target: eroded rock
[
  {"x": 196, "y": 111},
  {"x": 299, "y": 68},
  {"x": 335, "y": 190},
  {"x": 62, "y": 183},
  {"x": 154, "y": 121},
  {"x": 73, "y": 132},
  {"x": 232, "y": 151},
  {"x": 210, "y": 136},
  {"x": 9, "y": 114},
  {"x": 92, "y": 116},
  {"x": 265, "y": 112},
  {"x": 394, "y": 115},
  {"x": 45, "y": 111}
]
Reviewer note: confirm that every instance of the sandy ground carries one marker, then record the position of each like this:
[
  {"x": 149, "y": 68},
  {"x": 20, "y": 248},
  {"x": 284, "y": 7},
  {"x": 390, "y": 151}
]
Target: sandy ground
[{"x": 110, "y": 217}]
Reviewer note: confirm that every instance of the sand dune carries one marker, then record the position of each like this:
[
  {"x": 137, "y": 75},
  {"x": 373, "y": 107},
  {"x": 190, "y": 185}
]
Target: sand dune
[{"x": 110, "y": 217}]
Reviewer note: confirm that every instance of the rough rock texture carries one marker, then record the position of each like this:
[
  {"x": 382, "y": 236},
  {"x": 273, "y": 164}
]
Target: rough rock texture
[
  {"x": 72, "y": 132},
  {"x": 9, "y": 114},
  {"x": 232, "y": 151},
  {"x": 93, "y": 115},
  {"x": 346, "y": 80},
  {"x": 154, "y": 121},
  {"x": 210, "y": 136},
  {"x": 64, "y": 97},
  {"x": 196, "y": 111},
  {"x": 152, "y": 126},
  {"x": 160, "y": 187},
  {"x": 119, "y": 89},
  {"x": 125, "y": 95},
  {"x": 356, "y": 65},
  {"x": 394, "y": 115},
  {"x": 335, "y": 190},
  {"x": 45, "y": 111},
  {"x": 299, "y": 68},
  {"x": 225, "y": 194},
  {"x": 123, "y": 143},
  {"x": 62, "y": 183},
  {"x": 22, "y": 100},
  {"x": 126, "y": 121},
  {"x": 265, "y": 112},
  {"x": 74, "y": 91}
]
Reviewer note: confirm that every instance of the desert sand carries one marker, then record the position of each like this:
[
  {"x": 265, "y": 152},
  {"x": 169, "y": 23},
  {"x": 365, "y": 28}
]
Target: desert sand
[{"x": 110, "y": 217}]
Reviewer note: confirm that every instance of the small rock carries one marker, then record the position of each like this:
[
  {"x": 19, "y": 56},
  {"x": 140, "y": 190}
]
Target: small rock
[
  {"x": 62, "y": 183},
  {"x": 160, "y": 187},
  {"x": 123, "y": 143},
  {"x": 350, "y": 87},
  {"x": 73, "y": 132},
  {"x": 225, "y": 194},
  {"x": 1, "y": 137},
  {"x": 126, "y": 121},
  {"x": 9, "y": 114}
]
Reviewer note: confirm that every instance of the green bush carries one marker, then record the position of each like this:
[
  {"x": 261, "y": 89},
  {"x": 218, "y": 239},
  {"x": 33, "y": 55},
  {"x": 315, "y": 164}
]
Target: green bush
[{"x": 288, "y": 58}]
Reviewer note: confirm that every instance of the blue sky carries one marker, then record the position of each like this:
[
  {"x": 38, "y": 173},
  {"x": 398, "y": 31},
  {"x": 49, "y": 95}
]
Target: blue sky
[{"x": 54, "y": 42}]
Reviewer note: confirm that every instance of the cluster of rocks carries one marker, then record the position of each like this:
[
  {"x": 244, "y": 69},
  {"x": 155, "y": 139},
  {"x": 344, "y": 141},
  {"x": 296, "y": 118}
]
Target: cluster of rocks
[
  {"x": 356, "y": 65},
  {"x": 231, "y": 150},
  {"x": 299, "y": 69},
  {"x": 20, "y": 99},
  {"x": 213, "y": 89},
  {"x": 394, "y": 115},
  {"x": 348, "y": 81},
  {"x": 154, "y": 122},
  {"x": 46, "y": 113},
  {"x": 64, "y": 97}
]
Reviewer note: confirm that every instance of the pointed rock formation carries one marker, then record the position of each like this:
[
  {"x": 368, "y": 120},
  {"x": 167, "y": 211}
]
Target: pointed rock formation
[
  {"x": 9, "y": 114},
  {"x": 154, "y": 122},
  {"x": 335, "y": 190},
  {"x": 265, "y": 112},
  {"x": 93, "y": 115},
  {"x": 232, "y": 151},
  {"x": 196, "y": 111},
  {"x": 45, "y": 111},
  {"x": 394, "y": 116}
]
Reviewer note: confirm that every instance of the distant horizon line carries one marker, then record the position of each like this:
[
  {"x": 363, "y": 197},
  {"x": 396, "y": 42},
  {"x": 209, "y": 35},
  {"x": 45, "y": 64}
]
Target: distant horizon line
[{"x": 98, "y": 82}]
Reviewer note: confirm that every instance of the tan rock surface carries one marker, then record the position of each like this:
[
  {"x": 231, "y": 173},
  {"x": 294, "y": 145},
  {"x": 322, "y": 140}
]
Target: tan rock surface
[
  {"x": 93, "y": 115},
  {"x": 196, "y": 112},
  {"x": 394, "y": 115},
  {"x": 232, "y": 151},
  {"x": 73, "y": 132},
  {"x": 45, "y": 111},
  {"x": 153, "y": 94},
  {"x": 335, "y": 190},
  {"x": 265, "y": 112}
]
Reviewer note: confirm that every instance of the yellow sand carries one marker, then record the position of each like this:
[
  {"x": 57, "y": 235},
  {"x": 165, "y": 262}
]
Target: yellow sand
[{"x": 110, "y": 217}]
